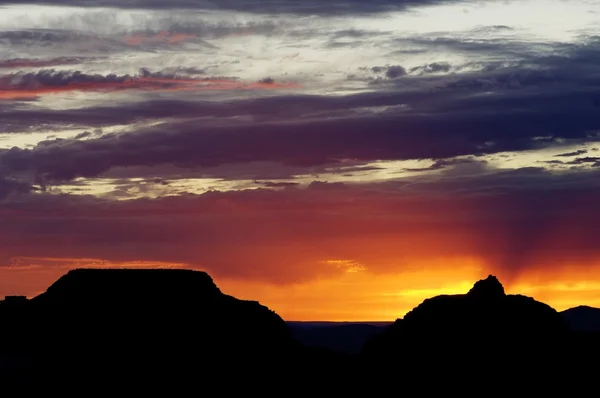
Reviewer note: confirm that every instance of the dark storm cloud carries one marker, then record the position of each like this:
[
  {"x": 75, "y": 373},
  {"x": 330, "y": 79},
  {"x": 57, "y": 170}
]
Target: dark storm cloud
[
  {"x": 9, "y": 186},
  {"x": 540, "y": 101},
  {"x": 310, "y": 7},
  {"x": 272, "y": 108},
  {"x": 268, "y": 108},
  {"x": 309, "y": 143},
  {"x": 522, "y": 107}
]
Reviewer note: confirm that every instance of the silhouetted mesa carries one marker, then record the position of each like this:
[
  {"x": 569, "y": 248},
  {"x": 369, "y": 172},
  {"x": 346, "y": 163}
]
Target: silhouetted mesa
[
  {"x": 175, "y": 329},
  {"x": 104, "y": 323}
]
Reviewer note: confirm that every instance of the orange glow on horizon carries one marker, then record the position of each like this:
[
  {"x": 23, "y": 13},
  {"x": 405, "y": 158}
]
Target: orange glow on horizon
[
  {"x": 363, "y": 296},
  {"x": 355, "y": 295}
]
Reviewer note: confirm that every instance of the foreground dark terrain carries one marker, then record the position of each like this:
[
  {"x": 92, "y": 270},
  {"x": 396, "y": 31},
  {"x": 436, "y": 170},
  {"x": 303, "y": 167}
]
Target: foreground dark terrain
[{"x": 174, "y": 330}]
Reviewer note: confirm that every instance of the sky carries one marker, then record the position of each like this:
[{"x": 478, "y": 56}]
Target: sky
[{"x": 339, "y": 160}]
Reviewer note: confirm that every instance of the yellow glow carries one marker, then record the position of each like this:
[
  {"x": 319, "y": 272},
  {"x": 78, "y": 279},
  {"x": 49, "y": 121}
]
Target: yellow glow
[{"x": 352, "y": 296}]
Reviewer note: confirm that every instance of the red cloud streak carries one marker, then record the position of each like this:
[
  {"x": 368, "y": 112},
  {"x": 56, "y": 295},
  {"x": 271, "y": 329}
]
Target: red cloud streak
[{"x": 13, "y": 86}]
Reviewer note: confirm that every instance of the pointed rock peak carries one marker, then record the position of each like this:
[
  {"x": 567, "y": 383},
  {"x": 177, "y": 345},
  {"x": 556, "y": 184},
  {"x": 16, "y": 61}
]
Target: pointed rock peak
[{"x": 489, "y": 287}]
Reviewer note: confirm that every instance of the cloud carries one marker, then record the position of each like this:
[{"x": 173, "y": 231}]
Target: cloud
[
  {"x": 9, "y": 186},
  {"x": 73, "y": 41},
  {"x": 390, "y": 71},
  {"x": 33, "y": 84},
  {"x": 594, "y": 161},
  {"x": 434, "y": 67},
  {"x": 163, "y": 37},
  {"x": 513, "y": 221},
  {"x": 543, "y": 95},
  {"x": 271, "y": 184},
  {"x": 470, "y": 129},
  {"x": 39, "y": 63},
  {"x": 270, "y": 6},
  {"x": 544, "y": 101},
  {"x": 444, "y": 163},
  {"x": 570, "y": 154}
]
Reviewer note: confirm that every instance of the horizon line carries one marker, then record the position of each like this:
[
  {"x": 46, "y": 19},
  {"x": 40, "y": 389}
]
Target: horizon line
[{"x": 388, "y": 321}]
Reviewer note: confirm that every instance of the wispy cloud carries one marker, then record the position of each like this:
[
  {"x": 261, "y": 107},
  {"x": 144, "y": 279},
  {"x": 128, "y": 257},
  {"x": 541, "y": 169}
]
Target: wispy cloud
[
  {"x": 39, "y": 63},
  {"x": 29, "y": 85}
]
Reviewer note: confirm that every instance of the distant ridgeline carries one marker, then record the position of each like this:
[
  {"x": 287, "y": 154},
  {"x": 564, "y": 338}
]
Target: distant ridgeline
[{"x": 174, "y": 330}]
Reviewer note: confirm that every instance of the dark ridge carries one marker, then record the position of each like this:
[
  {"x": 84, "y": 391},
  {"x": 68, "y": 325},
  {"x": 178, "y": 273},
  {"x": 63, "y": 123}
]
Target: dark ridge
[
  {"x": 172, "y": 332},
  {"x": 582, "y": 318}
]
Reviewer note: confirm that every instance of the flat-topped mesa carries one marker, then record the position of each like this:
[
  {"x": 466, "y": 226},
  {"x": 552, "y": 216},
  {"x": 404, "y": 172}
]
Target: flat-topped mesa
[
  {"x": 488, "y": 288},
  {"x": 89, "y": 316},
  {"x": 143, "y": 284}
]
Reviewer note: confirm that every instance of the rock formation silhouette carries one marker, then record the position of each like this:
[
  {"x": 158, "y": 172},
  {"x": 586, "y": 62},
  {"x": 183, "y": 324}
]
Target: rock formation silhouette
[
  {"x": 455, "y": 324},
  {"x": 508, "y": 341},
  {"x": 143, "y": 326},
  {"x": 173, "y": 331},
  {"x": 484, "y": 312}
]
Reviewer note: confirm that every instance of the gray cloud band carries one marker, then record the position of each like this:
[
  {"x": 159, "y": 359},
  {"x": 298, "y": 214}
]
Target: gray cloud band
[{"x": 540, "y": 102}]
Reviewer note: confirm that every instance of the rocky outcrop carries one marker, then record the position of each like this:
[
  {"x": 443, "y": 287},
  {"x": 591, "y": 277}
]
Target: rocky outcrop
[{"x": 482, "y": 328}]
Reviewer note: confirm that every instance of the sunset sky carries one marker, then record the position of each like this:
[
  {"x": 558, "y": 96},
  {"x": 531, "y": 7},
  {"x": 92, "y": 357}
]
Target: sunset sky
[{"x": 334, "y": 160}]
